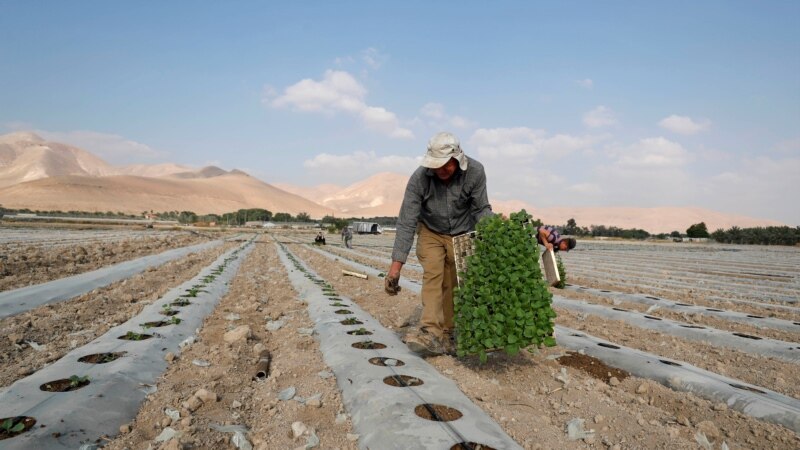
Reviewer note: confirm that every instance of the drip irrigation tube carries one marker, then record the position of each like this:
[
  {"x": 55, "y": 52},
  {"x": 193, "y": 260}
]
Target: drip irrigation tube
[
  {"x": 733, "y": 316},
  {"x": 787, "y": 351},
  {"x": 24, "y": 299},
  {"x": 384, "y": 415},
  {"x": 752, "y": 400},
  {"x": 116, "y": 388}
]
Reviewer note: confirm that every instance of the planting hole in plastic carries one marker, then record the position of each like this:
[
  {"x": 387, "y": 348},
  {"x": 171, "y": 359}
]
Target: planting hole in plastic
[
  {"x": 652, "y": 318},
  {"x": 747, "y": 388},
  {"x": 386, "y": 362},
  {"x": 714, "y": 310},
  {"x": 131, "y": 336},
  {"x": 652, "y": 298},
  {"x": 181, "y": 303},
  {"x": 351, "y": 321},
  {"x": 619, "y": 309},
  {"x": 156, "y": 324},
  {"x": 359, "y": 332},
  {"x": 101, "y": 358},
  {"x": 754, "y": 316},
  {"x": 14, "y": 428},
  {"x": 368, "y": 345},
  {"x": 343, "y": 311},
  {"x": 669, "y": 363},
  {"x": 437, "y": 413},
  {"x": 402, "y": 381},
  {"x": 170, "y": 312},
  {"x": 747, "y": 336},
  {"x": 471, "y": 446},
  {"x": 607, "y": 292},
  {"x": 683, "y": 304},
  {"x": 577, "y": 335},
  {"x": 65, "y": 384},
  {"x": 603, "y": 344},
  {"x": 694, "y": 326}
]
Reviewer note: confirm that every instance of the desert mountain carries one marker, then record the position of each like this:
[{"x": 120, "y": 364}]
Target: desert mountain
[
  {"x": 378, "y": 195},
  {"x": 152, "y": 170},
  {"x": 27, "y": 157},
  {"x": 42, "y": 175},
  {"x": 218, "y": 194}
]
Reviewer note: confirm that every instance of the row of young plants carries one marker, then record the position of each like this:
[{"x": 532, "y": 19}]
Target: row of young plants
[
  {"x": 13, "y": 426},
  {"x": 503, "y": 301}
]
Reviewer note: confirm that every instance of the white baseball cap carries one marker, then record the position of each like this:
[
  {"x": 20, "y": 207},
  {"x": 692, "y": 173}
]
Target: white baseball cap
[{"x": 441, "y": 148}]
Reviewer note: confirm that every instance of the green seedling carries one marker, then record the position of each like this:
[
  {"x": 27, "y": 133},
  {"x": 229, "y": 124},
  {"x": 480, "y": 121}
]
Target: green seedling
[
  {"x": 338, "y": 304},
  {"x": 107, "y": 358},
  {"x": 562, "y": 273},
  {"x": 361, "y": 331},
  {"x": 75, "y": 381},
  {"x": 12, "y": 425},
  {"x": 134, "y": 336},
  {"x": 503, "y": 301},
  {"x": 174, "y": 320},
  {"x": 350, "y": 321}
]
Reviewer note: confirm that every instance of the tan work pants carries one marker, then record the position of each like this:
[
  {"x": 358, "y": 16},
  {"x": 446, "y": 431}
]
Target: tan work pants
[{"x": 435, "y": 253}]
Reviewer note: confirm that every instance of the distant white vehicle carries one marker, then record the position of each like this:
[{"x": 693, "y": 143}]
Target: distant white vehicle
[{"x": 366, "y": 228}]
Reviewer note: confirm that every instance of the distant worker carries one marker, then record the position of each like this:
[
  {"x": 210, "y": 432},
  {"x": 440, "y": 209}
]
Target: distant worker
[
  {"x": 552, "y": 240},
  {"x": 347, "y": 237},
  {"x": 444, "y": 197},
  {"x": 320, "y": 239}
]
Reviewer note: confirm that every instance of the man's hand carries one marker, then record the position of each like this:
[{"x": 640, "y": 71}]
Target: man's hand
[{"x": 392, "y": 284}]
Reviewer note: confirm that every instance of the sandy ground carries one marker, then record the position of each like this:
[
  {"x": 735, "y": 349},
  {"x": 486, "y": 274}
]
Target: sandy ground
[
  {"x": 59, "y": 327},
  {"x": 523, "y": 395},
  {"x": 34, "y": 264},
  {"x": 259, "y": 293},
  {"x": 532, "y": 395}
]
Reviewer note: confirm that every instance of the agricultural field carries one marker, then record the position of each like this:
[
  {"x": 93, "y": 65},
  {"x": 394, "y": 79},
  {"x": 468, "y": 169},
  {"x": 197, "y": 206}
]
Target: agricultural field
[
  {"x": 33, "y": 255},
  {"x": 262, "y": 341}
]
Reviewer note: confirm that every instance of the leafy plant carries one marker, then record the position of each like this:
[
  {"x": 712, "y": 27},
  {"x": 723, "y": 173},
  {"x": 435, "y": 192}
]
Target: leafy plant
[
  {"x": 134, "y": 336},
  {"x": 12, "y": 425},
  {"x": 174, "y": 320},
  {"x": 562, "y": 273},
  {"x": 75, "y": 381},
  {"x": 361, "y": 331},
  {"x": 503, "y": 301}
]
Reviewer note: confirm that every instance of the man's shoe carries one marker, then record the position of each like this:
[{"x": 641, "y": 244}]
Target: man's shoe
[
  {"x": 424, "y": 344},
  {"x": 449, "y": 343}
]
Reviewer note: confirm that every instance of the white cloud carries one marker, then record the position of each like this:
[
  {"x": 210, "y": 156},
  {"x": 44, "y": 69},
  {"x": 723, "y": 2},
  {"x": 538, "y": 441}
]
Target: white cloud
[
  {"x": 652, "y": 153},
  {"x": 373, "y": 58},
  {"x": 586, "y": 83},
  {"x": 435, "y": 116},
  {"x": 339, "y": 92},
  {"x": 599, "y": 117},
  {"x": 356, "y": 164},
  {"x": 527, "y": 143},
  {"x": 112, "y": 147},
  {"x": 684, "y": 125}
]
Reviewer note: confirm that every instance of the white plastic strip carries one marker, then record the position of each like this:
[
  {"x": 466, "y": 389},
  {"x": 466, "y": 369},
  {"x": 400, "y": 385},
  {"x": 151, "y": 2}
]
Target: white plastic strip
[{"x": 384, "y": 415}]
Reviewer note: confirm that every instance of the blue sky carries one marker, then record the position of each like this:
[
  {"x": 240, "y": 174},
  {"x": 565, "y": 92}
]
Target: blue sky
[{"x": 565, "y": 103}]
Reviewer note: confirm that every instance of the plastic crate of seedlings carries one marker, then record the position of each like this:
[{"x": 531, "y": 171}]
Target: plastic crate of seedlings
[{"x": 464, "y": 246}]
